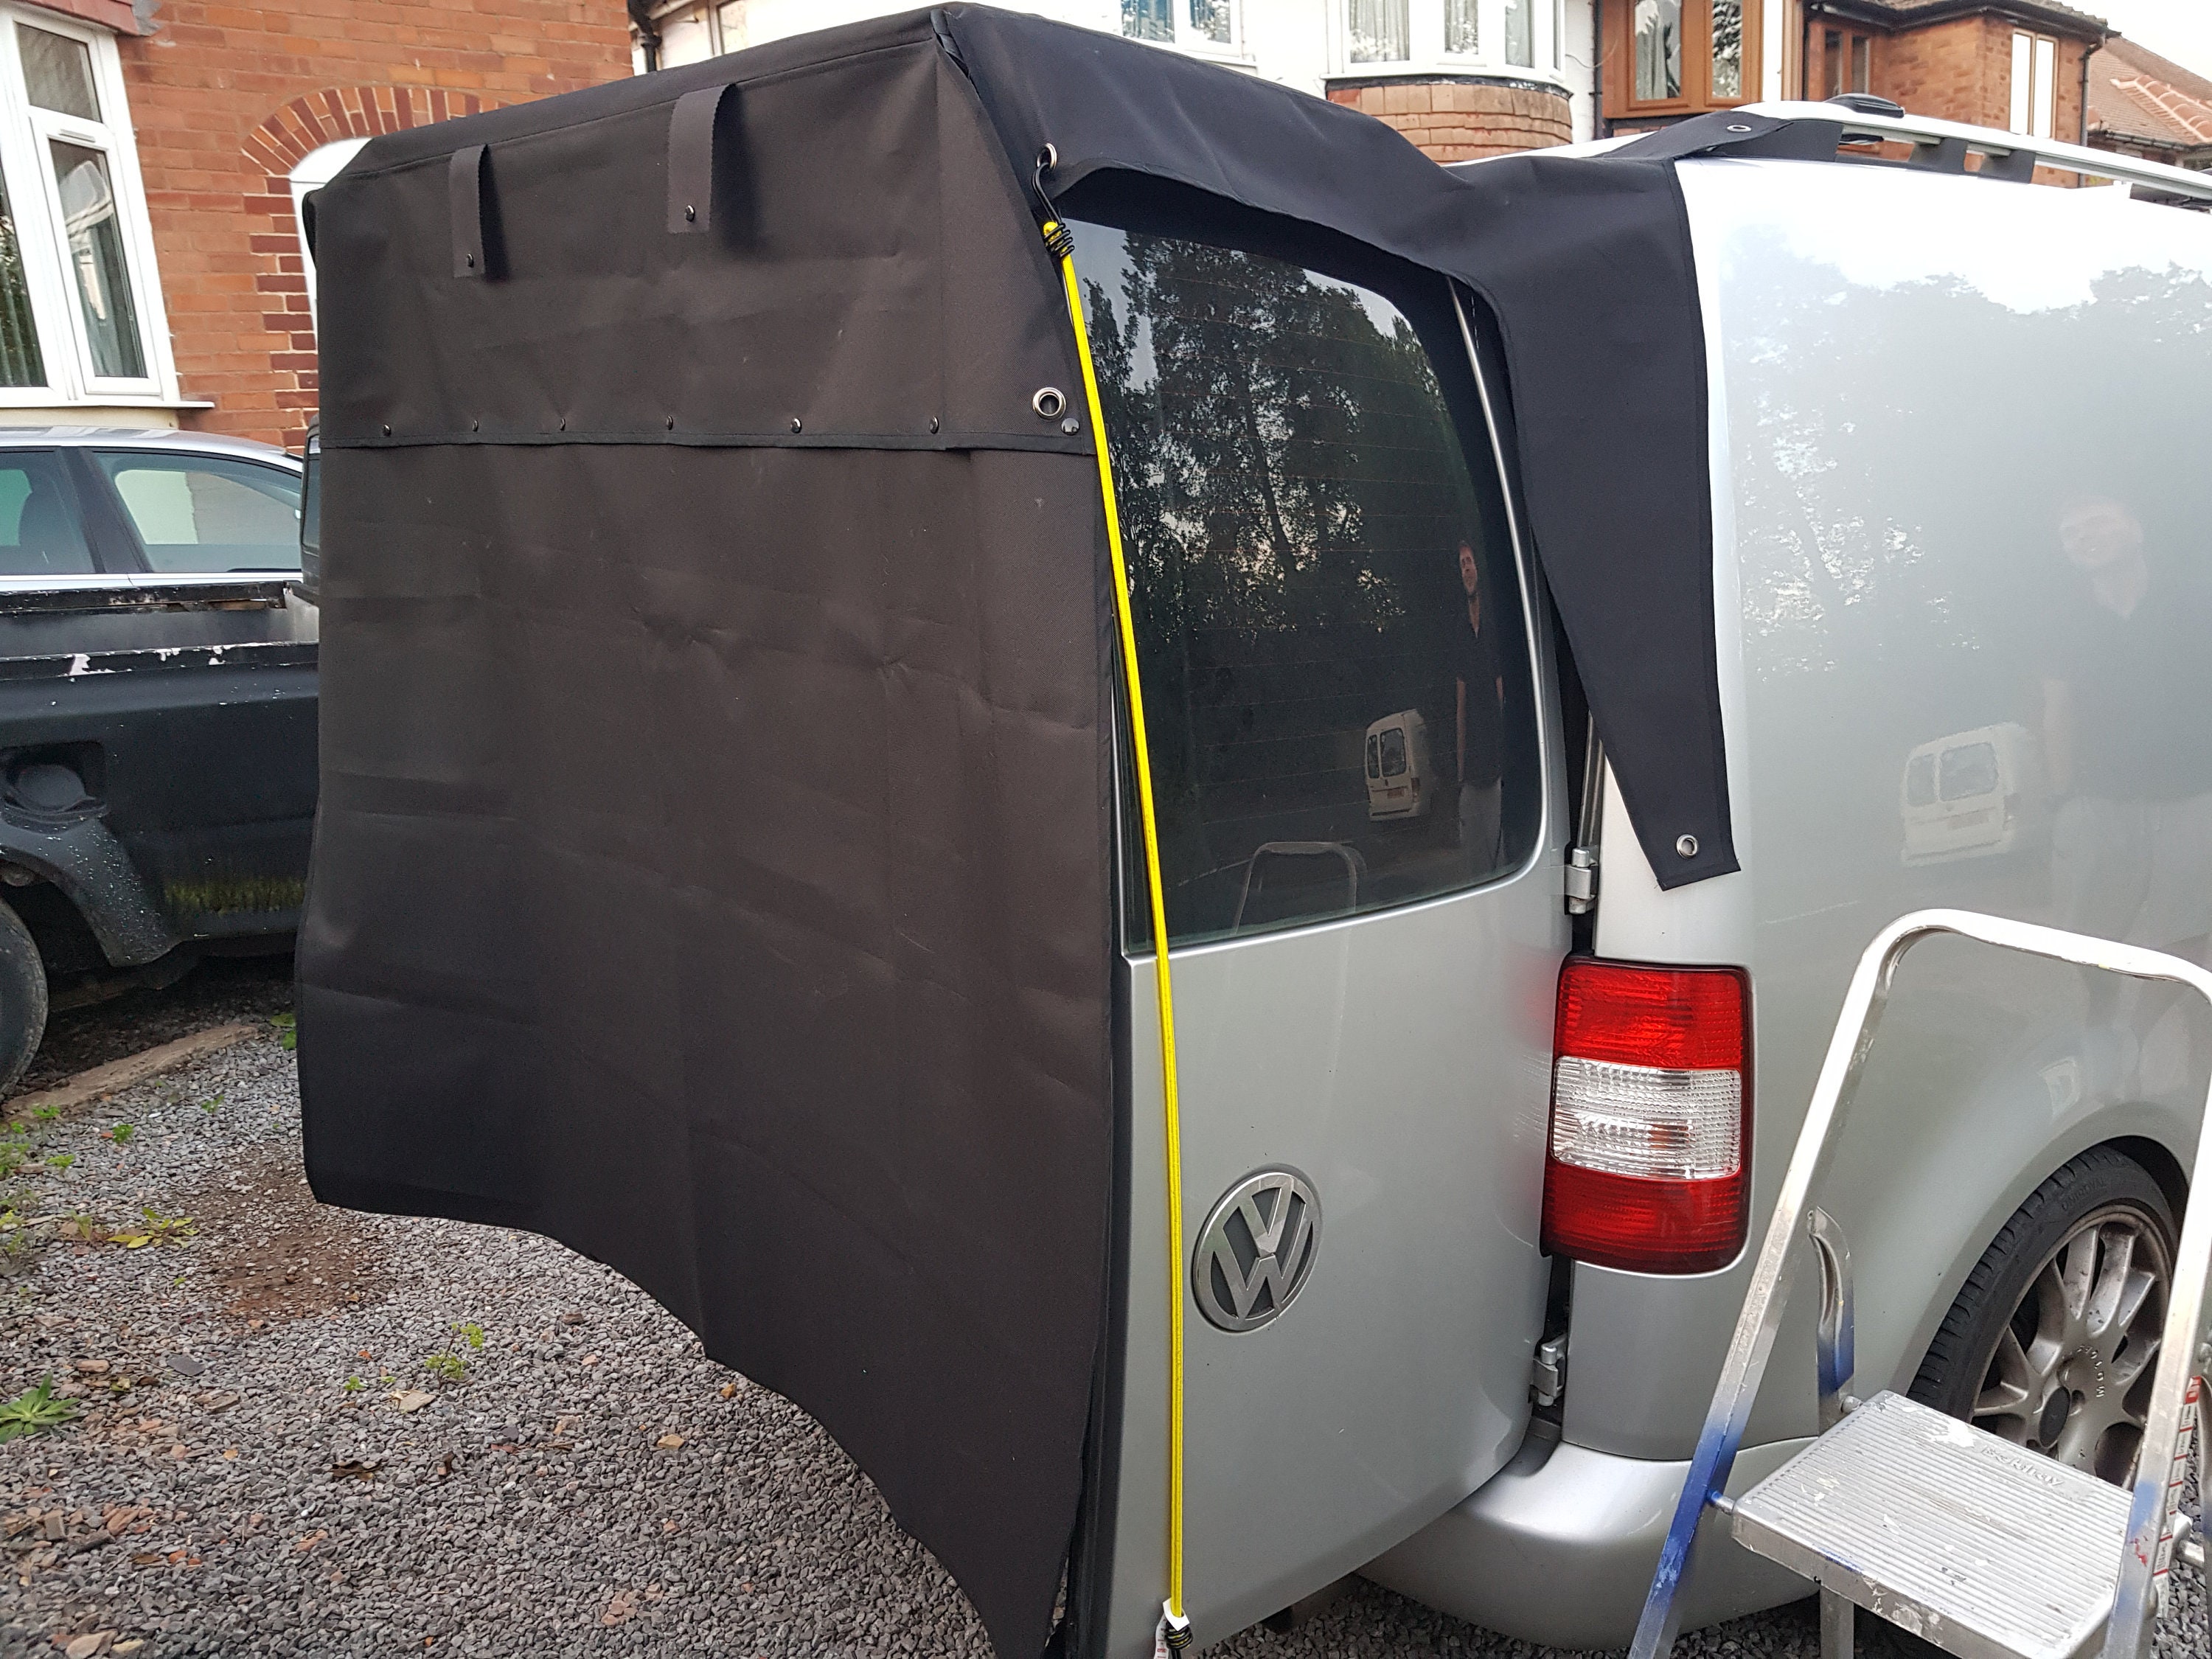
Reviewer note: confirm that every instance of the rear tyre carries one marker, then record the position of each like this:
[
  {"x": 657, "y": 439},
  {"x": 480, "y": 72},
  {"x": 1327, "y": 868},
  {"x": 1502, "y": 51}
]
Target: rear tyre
[
  {"x": 22, "y": 997},
  {"x": 2051, "y": 1342}
]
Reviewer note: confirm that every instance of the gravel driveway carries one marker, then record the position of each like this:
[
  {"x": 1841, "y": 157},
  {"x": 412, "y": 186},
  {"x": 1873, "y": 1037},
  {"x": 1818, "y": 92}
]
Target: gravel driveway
[{"x": 309, "y": 1432}]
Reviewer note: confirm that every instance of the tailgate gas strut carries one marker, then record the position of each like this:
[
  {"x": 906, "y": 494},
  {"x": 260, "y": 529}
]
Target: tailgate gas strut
[{"x": 1175, "y": 1622}]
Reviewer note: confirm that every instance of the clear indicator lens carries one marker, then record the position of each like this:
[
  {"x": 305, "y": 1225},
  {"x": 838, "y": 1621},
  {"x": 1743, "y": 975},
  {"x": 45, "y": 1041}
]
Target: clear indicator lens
[{"x": 1646, "y": 1120}]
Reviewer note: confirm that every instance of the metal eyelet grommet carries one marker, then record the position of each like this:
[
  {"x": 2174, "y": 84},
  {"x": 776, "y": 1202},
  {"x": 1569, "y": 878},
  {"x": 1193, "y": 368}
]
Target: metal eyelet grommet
[
  {"x": 690, "y": 216},
  {"x": 387, "y": 428},
  {"x": 932, "y": 423},
  {"x": 564, "y": 423},
  {"x": 1738, "y": 126},
  {"x": 1049, "y": 402},
  {"x": 1047, "y": 159},
  {"x": 470, "y": 260},
  {"x": 1071, "y": 426},
  {"x": 1686, "y": 846},
  {"x": 476, "y": 426},
  {"x": 797, "y": 425},
  {"x": 671, "y": 423}
]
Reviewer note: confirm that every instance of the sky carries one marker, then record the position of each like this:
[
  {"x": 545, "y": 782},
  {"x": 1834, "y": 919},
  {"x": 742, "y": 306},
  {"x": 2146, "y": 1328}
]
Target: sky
[{"x": 2179, "y": 29}]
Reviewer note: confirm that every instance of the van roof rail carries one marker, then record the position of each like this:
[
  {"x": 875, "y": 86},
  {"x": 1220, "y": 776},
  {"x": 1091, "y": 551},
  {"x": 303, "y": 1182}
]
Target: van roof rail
[{"x": 1942, "y": 146}]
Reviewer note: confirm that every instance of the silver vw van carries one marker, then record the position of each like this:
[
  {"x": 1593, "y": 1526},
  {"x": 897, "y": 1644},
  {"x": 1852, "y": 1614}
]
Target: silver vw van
[
  {"x": 1963, "y": 582},
  {"x": 849, "y": 567}
]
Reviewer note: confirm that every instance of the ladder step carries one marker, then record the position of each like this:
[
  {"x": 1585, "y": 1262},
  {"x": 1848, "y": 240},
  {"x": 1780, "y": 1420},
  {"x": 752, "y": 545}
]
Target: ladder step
[{"x": 1966, "y": 1540}]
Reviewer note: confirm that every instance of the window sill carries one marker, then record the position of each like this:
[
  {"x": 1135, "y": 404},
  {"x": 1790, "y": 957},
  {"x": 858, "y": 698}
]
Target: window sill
[
  {"x": 1227, "y": 57},
  {"x": 1450, "y": 69},
  {"x": 20, "y": 409},
  {"x": 1678, "y": 110}
]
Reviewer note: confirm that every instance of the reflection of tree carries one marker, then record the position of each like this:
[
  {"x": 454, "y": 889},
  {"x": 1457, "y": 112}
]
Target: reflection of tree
[
  {"x": 1728, "y": 48},
  {"x": 1851, "y": 481},
  {"x": 1291, "y": 493},
  {"x": 1659, "y": 48},
  {"x": 21, "y": 363},
  {"x": 1899, "y": 455},
  {"x": 1281, "y": 449},
  {"x": 1148, "y": 20}
]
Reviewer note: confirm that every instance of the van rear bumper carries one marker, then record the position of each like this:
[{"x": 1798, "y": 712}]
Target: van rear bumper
[{"x": 1559, "y": 1547}]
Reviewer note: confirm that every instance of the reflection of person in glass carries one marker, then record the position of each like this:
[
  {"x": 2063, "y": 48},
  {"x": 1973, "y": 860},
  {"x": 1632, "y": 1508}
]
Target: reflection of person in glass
[
  {"x": 1479, "y": 722},
  {"x": 2126, "y": 690}
]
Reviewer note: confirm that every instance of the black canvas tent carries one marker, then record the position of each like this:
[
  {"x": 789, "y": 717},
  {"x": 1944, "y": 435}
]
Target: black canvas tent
[{"x": 713, "y": 868}]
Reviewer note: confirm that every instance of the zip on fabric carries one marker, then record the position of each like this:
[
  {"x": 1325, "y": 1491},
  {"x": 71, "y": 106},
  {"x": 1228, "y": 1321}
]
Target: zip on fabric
[{"x": 1175, "y": 1624}]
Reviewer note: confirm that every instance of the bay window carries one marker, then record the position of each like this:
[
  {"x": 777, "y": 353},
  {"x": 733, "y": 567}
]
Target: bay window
[
  {"x": 1214, "y": 27},
  {"x": 1448, "y": 36},
  {"x": 80, "y": 317}
]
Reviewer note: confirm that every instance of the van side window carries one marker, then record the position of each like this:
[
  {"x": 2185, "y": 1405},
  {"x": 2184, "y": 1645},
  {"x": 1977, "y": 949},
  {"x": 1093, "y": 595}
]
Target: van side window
[
  {"x": 1330, "y": 627},
  {"x": 201, "y": 513}
]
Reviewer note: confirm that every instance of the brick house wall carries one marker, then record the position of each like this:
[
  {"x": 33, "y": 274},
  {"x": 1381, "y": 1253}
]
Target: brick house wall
[
  {"x": 1962, "y": 71},
  {"x": 226, "y": 99},
  {"x": 1462, "y": 121}
]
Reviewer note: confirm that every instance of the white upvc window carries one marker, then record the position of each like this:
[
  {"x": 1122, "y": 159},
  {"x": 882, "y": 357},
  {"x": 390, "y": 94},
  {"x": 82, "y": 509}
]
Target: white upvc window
[
  {"x": 1214, "y": 28},
  {"x": 81, "y": 316},
  {"x": 2034, "y": 84},
  {"x": 1519, "y": 39},
  {"x": 692, "y": 30}
]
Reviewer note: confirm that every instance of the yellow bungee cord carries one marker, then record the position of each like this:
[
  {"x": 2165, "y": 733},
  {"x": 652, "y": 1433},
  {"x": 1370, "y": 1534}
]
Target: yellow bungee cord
[{"x": 1175, "y": 1624}]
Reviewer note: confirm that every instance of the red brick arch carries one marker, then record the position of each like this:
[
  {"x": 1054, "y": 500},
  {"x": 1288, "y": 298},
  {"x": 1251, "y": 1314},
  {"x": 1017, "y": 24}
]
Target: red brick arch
[{"x": 275, "y": 147}]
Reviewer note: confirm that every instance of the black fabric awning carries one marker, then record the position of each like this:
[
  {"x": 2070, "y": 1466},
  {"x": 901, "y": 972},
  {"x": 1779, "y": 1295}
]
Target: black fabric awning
[
  {"x": 1587, "y": 269},
  {"x": 713, "y": 868}
]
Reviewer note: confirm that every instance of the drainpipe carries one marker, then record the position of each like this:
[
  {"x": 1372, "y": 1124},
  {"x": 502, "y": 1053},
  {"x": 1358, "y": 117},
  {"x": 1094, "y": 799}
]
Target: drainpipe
[
  {"x": 2080, "y": 178},
  {"x": 2084, "y": 138},
  {"x": 649, "y": 38},
  {"x": 1597, "y": 70}
]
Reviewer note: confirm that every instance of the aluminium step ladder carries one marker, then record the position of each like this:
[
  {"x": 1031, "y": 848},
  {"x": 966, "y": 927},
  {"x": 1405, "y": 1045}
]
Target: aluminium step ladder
[{"x": 1958, "y": 1536}]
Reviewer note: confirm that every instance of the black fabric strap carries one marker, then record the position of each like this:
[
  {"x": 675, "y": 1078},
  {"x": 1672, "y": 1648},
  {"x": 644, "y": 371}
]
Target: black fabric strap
[
  {"x": 1738, "y": 133},
  {"x": 464, "y": 192},
  {"x": 692, "y": 158}
]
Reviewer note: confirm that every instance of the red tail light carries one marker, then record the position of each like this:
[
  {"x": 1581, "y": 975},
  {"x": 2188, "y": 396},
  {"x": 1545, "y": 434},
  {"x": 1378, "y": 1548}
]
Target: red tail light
[{"x": 1648, "y": 1166}]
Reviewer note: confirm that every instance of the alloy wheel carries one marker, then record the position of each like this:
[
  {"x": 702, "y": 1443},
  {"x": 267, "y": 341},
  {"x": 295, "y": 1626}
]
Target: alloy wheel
[{"x": 2070, "y": 1376}]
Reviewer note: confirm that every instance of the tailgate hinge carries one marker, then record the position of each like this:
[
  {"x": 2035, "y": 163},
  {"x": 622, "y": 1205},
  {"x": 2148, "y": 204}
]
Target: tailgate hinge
[
  {"x": 1581, "y": 875},
  {"x": 1548, "y": 1377}
]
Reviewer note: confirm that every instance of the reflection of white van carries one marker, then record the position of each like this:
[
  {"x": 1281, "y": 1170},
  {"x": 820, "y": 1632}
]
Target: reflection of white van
[
  {"x": 1400, "y": 783},
  {"x": 1970, "y": 795}
]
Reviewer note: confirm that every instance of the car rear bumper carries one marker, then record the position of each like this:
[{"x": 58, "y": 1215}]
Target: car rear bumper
[{"x": 1560, "y": 1545}]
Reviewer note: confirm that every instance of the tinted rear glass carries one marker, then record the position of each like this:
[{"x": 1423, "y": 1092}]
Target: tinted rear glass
[{"x": 1310, "y": 553}]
